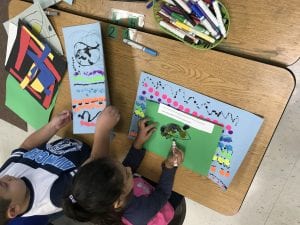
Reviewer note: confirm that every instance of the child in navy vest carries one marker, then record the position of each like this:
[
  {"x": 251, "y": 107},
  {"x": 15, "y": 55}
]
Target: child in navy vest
[{"x": 34, "y": 179}]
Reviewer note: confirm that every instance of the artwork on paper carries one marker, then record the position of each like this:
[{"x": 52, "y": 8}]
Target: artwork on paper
[
  {"x": 35, "y": 66},
  {"x": 87, "y": 75},
  {"x": 175, "y": 131},
  {"x": 239, "y": 126},
  {"x": 36, "y": 19},
  {"x": 197, "y": 138}
]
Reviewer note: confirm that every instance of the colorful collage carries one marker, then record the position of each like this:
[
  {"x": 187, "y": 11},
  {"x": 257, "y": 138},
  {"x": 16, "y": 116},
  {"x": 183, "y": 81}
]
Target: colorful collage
[
  {"x": 35, "y": 66},
  {"x": 239, "y": 126}
]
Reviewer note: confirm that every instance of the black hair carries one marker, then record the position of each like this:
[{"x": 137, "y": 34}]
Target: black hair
[
  {"x": 4, "y": 204},
  {"x": 95, "y": 189}
]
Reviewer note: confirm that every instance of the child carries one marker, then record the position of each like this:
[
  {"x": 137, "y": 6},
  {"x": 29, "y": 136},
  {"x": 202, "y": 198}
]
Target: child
[
  {"x": 34, "y": 179},
  {"x": 104, "y": 191}
]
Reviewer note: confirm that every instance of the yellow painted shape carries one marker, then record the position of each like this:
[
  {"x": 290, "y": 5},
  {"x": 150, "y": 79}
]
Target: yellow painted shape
[
  {"x": 37, "y": 85},
  {"x": 51, "y": 56},
  {"x": 37, "y": 27},
  {"x": 24, "y": 82}
]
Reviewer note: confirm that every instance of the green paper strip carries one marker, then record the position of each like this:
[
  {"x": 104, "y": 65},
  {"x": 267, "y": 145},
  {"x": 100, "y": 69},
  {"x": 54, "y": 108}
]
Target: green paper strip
[{"x": 25, "y": 106}]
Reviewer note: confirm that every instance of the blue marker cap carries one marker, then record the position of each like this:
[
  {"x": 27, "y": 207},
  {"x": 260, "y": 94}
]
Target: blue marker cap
[
  {"x": 196, "y": 10},
  {"x": 150, "y": 51},
  {"x": 149, "y": 5}
]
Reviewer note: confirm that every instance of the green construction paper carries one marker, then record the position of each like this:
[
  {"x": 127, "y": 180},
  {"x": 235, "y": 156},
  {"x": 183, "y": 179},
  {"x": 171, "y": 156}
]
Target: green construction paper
[
  {"x": 199, "y": 149},
  {"x": 25, "y": 106}
]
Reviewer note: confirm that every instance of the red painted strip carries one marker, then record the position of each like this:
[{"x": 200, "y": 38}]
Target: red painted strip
[
  {"x": 87, "y": 124},
  {"x": 11, "y": 70},
  {"x": 24, "y": 42}
]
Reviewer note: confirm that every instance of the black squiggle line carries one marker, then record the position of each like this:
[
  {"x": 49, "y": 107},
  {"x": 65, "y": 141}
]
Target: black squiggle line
[
  {"x": 78, "y": 84},
  {"x": 188, "y": 100},
  {"x": 89, "y": 119},
  {"x": 218, "y": 114}
]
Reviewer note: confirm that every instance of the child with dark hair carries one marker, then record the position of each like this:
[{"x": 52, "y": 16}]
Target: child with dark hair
[
  {"x": 105, "y": 191},
  {"x": 34, "y": 179}
]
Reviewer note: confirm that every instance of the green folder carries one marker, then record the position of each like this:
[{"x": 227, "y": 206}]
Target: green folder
[
  {"x": 25, "y": 106},
  {"x": 199, "y": 145}
]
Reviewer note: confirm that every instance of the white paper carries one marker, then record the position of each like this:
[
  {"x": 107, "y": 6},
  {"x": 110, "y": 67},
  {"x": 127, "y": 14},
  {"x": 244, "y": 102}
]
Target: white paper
[
  {"x": 123, "y": 14},
  {"x": 70, "y": 2},
  {"x": 46, "y": 3},
  {"x": 186, "y": 119},
  {"x": 36, "y": 18},
  {"x": 12, "y": 34}
]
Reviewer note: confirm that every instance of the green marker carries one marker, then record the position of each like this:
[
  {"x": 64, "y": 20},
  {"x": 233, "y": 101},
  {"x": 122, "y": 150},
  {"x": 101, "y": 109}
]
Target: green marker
[
  {"x": 181, "y": 18},
  {"x": 200, "y": 28},
  {"x": 175, "y": 16}
]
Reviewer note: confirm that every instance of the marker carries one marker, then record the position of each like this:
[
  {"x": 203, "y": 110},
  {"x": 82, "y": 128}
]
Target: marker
[
  {"x": 200, "y": 28},
  {"x": 175, "y": 15},
  {"x": 140, "y": 47},
  {"x": 192, "y": 16},
  {"x": 51, "y": 13},
  {"x": 198, "y": 12},
  {"x": 170, "y": 20},
  {"x": 208, "y": 12},
  {"x": 189, "y": 29},
  {"x": 149, "y": 5},
  {"x": 185, "y": 14},
  {"x": 179, "y": 33},
  {"x": 169, "y": 2},
  {"x": 183, "y": 5},
  {"x": 181, "y": 19},
  {"x": 175, "y": 163},
  {"x": 219, "y": 17}
]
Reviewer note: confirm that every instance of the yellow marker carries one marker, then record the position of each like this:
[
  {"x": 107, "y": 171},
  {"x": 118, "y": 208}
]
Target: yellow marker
[{"x": 198, "y": 33}]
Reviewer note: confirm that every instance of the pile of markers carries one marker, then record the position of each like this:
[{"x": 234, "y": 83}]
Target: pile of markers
[{"x": 196, "y": 22}]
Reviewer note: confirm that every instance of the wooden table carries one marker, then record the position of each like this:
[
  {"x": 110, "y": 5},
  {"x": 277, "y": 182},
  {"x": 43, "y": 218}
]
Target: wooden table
[
  {"x": 253, "y": 86},
  {"x": 267, "y": 31}
]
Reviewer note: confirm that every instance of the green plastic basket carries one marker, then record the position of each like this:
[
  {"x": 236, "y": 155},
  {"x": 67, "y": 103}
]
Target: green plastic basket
[{"x": 201, "y": 46}]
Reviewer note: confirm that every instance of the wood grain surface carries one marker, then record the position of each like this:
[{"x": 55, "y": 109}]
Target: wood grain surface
[
  {"x": 264, "y": 30},
  {"x": 253, "y": 86}
]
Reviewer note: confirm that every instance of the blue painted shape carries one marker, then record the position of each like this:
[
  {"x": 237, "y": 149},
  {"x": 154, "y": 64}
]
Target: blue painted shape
[{"x": 45, "y": 76}]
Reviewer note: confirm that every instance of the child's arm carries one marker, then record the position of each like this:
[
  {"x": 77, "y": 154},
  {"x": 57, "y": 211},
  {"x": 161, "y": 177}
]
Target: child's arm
[
  {"x": 44, "y": 134},
  {"x": 136, "y": 152},
  {"x": 104, "y": 125},
  {"x": 148, "y": 206}
]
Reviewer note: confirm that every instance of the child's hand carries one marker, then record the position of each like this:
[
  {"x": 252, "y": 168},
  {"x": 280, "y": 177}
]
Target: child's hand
[
  {"x": 108, "y": 119},
  {"x": 145, "y": 132},
  {"x": 61, "y": 120},
  {"x": 175, "y": 158}
]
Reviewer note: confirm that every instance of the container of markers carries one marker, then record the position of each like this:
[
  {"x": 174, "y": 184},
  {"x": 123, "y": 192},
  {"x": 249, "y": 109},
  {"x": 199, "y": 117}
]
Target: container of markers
[{"x": 202, "y": 24}]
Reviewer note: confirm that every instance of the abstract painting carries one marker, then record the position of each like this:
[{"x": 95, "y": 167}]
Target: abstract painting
[{"x": 35, "y": 66}]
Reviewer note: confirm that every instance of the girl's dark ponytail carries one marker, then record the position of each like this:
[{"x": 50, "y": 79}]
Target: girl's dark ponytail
[
  {"x": 75, "y": 211},
  {"x": 95, "y": 189}
]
